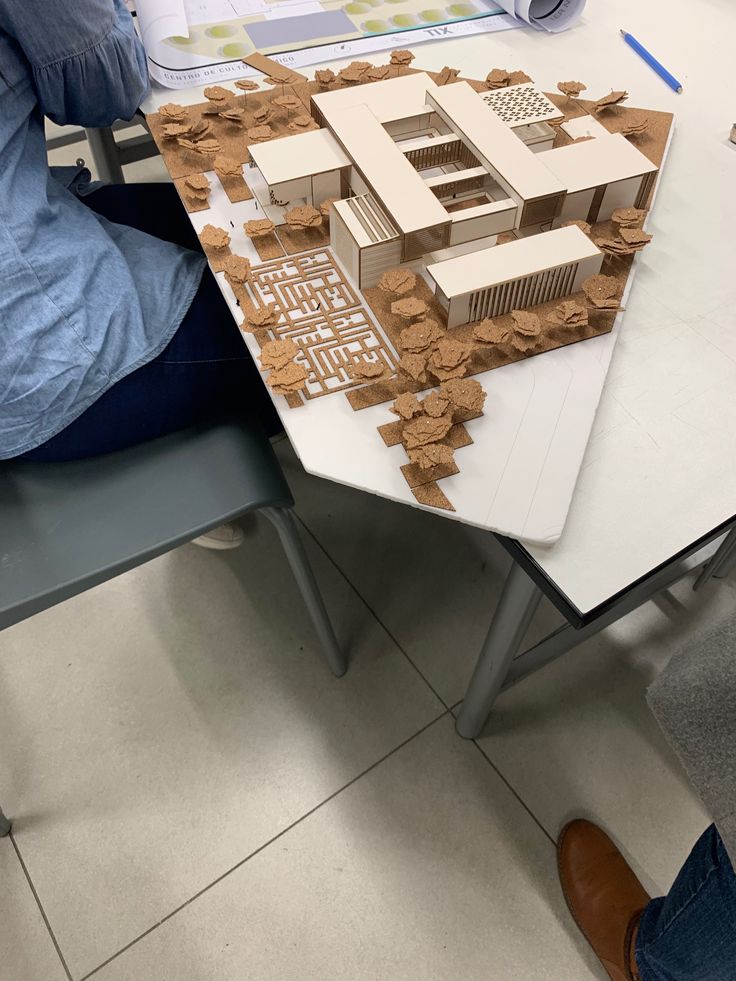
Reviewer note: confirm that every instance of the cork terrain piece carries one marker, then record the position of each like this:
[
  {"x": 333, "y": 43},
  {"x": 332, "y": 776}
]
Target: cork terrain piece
[
  {"x": 406, "y": 406},
  {"x": 398, "y": 281},
  {"x": 431, "y": 430},
  {"x": 230, "y": 174},
  {"x": 216, "y": 257},
  {"x": 267, "y": 66},
  {"x": 431, "y": 495},
  {"x": 492, "y": 344},
  {"x": 382, "y": 391},
  {"x": 216, "y": 244},
  {"x": 295, "y": 240},
  {"x": 446, "y": 76},
  {"x": 572, "y": 89},
  {"x": 194, "y": 198},
  {"x": 569, "y": 313},
  {"x": 420, "y": 336},
  {"x": 415, "y": 476},
  {"x": 237, "y": 270},
  {"x": 236, "y": 189},
  {"x": 388, "y": 308},
  {"x": 391, "y": 432},
  {"x": 306, "y": 303},
  {"x": 611, "y": 101},
  {"x": 277, "y": 354},
  {"x": 457, "y": 437},
  {"x": 628, "y": 217},
  {"x": 425, "y": 430},
  {"x": 230, "y": 136},
  {"x": 288, "y": 379},
  {"x": 432, "y": 456},
  {"x": 466, "y": 396},
  {"x": 362, "y": 370},
  {"x": 268, "y": 247}
]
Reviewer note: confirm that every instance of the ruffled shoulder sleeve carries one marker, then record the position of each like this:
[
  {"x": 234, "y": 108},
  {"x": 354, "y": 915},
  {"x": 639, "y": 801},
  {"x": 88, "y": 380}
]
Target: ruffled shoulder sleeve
[{"x": 89, "y": 67}]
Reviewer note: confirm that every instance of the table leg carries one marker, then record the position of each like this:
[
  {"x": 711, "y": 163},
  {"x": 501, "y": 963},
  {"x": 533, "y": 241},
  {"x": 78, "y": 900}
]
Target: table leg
[
  {"x": 4, "y": 825},
  {"x": 722, "y": 563},
  {"x": 728, "y": 561},
  {"x": 516, "y": 607},
  {"x": 105, "y": 155}
]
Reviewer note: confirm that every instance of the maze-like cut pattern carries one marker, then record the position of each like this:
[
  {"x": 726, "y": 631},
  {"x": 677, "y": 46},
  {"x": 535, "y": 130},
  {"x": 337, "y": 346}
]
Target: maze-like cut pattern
[
  {"x": 520, "y": 105},
  {"x": 322, "y": 314}
]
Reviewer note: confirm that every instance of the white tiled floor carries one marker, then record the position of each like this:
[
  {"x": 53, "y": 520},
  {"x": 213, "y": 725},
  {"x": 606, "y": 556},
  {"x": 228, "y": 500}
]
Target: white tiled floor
[{"x": 196, "y": 798}]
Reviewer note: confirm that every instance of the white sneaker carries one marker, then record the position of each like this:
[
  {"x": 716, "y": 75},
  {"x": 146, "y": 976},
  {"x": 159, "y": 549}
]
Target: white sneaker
[{"x": 224, "y": 536}]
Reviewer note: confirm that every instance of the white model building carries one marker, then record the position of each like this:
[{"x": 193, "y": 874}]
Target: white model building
[
  {"x": 435, "y": 173},
  {"x": 600, "y": 174},
  {"x": 519, "y": 274}
]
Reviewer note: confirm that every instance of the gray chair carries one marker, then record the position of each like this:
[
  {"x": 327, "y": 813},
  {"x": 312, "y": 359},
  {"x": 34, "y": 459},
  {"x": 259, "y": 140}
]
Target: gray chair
[{"x": 66, "y": 527}]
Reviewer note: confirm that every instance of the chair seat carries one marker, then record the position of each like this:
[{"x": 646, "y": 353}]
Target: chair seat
[{"x": 65, "y": 527}]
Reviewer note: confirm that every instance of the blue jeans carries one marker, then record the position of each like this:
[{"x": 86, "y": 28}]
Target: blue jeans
[
  {"x": 204, "y": 373},
  {"x": 690, "y": 934}
]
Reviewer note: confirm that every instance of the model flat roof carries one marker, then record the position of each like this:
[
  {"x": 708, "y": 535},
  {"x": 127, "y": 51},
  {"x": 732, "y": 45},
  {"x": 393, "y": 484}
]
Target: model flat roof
[
  {"x": 494, "y": 142},
  {"x": 315, "y": 152},
  {"x": 586, "y": 125},
  {"x": 410, "y": 204},
  {"x": 389, "y": 100},
  {"x": 512, "y": 260},
  {"x": 602, "y": 160},
  {"x": 522, "y": 105}
]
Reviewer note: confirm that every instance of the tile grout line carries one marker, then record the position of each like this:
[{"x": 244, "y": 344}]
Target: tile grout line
[
  {"x": 516, "y": 794},
  {"x": 370, "y": 609},
  {"x": 485, "y": 756},
  {"x": 41, "y": 910},
  {"x": 506, "y": 783},
  {"x": 260, "y": 848}
]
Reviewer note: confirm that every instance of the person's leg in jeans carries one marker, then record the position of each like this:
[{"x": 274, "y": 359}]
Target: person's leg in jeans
[
  {"x": 690, "y": 934},
  {"x": 203, "y": 374},
  {"x": 687, "y": 935}
]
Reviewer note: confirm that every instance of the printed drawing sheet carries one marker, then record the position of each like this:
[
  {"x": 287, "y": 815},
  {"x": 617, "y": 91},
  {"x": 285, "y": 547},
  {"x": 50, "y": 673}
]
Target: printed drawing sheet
[
  {"x": 197, "y": 42},
  {"x": 545, "y": 15}
]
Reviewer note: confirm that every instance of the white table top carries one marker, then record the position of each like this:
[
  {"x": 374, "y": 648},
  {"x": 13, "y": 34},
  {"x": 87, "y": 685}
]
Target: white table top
[
  {"x": 657, "y": 473},
  {"x": 659, "y": 470}
]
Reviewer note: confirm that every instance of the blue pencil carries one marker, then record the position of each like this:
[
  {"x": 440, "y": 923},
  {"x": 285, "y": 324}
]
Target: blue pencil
[{"x": 652, "y": 61}]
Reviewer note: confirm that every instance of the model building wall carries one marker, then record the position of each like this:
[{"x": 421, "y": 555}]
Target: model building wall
[
  {"x": 515, "y": 275},
  {"x": 363, "y": 239},
  {"x": 598, "y": 203},
  {"x": 481, "y": 222},
  {"x": 552, "y": 284}
]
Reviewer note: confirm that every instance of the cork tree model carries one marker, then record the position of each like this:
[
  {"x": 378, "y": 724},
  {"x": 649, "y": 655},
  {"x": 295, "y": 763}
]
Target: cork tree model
[{"x": 453, "y": 225}]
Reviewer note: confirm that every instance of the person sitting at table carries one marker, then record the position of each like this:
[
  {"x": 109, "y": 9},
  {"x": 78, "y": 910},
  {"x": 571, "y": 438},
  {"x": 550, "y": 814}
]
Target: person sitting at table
[{"x": 114, "y": 331}]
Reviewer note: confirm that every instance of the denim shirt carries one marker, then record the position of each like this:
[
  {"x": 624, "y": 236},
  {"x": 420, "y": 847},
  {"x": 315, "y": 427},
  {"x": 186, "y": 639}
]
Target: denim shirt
[{"x": 83, "y": 302}]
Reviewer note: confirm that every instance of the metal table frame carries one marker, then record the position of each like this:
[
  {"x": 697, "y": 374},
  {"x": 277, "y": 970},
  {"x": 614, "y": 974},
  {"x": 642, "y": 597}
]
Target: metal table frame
[
  {"x": 499, "y": 664},
  {"x": 108, "y": 154}
]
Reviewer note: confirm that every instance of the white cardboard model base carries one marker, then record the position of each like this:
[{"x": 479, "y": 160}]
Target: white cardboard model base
[{"x": 518, "y": 476}]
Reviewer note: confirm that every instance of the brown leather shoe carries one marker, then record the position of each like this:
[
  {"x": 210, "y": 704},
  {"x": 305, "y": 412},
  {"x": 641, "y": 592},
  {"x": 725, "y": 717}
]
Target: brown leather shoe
[{"x": 604, "y": 896}]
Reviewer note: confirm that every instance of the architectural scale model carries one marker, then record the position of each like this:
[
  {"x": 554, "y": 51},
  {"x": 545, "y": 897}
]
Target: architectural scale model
[{"x": 407, "y": 230}]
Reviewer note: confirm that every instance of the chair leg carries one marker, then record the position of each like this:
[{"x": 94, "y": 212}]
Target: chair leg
[
  {"x": 4, "y": 824},
  {"x": 283, "y": 521}
]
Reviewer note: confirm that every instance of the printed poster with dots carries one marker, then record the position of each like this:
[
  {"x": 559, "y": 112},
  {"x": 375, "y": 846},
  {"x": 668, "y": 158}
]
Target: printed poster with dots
[{"x": 221, "y": 30}]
